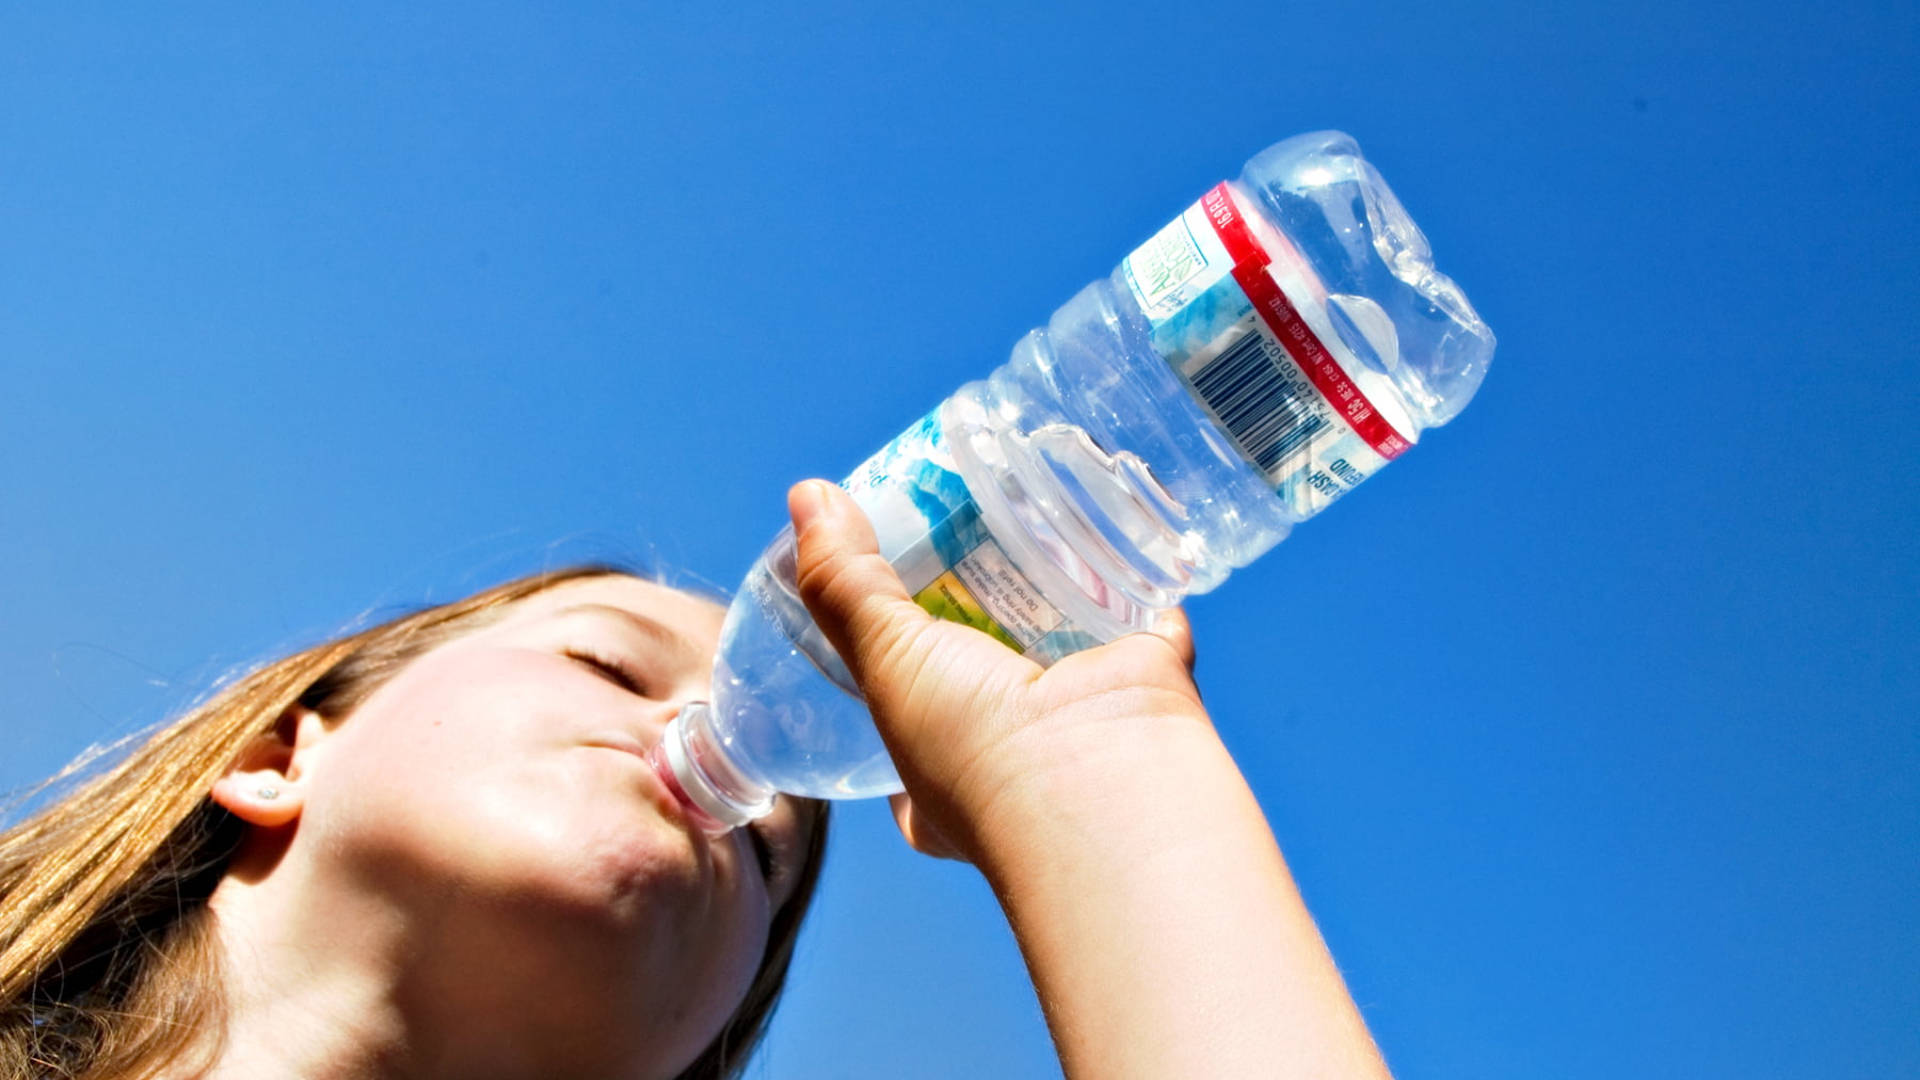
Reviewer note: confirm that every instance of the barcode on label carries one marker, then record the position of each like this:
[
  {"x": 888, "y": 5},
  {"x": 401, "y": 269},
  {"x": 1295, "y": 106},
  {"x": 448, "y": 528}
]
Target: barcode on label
[{"x": 1266, "y": 406}]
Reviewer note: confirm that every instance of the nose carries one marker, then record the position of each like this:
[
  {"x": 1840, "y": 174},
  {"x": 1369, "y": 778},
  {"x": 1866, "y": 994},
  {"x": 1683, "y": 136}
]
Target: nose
[
  {"x": 658, "y": 713},
  {"x": 655, "y": 717}
]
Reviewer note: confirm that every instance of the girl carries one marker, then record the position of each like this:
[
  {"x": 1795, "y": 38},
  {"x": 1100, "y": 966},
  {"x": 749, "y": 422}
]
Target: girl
[{"x": 435, "y": 849}]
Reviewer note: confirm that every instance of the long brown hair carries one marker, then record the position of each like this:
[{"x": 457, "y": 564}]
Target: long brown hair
[{"x": 108, "y": 965}]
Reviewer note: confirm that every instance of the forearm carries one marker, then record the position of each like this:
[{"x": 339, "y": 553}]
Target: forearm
[{"x": 1162, "y": 929}]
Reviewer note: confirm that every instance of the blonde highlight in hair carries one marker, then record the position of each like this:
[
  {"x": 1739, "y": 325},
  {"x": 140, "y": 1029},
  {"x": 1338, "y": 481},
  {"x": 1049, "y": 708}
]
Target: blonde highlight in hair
[{"x": 108, "y": 964}]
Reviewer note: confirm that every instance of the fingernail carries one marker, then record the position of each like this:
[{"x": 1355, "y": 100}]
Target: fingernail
[{"x": 809, "y": 501}]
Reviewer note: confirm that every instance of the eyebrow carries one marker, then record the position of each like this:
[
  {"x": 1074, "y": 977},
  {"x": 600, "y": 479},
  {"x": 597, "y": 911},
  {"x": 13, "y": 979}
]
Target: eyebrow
[{"x": 662, "y": 635}]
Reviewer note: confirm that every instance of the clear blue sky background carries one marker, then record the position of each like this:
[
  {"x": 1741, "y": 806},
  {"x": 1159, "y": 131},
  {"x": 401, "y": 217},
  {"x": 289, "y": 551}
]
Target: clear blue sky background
[{"x": 303, "y": 315}]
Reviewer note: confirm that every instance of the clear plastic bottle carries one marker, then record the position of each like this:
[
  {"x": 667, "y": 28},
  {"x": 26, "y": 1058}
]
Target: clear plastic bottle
[{"x": 1253, "y": 361}]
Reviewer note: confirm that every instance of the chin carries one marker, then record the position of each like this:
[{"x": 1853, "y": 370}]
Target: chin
[{"x": 623, "y": 878}]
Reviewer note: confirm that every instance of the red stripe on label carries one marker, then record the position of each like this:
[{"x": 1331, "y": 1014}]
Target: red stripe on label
[{"x": 1250, "y": 262}]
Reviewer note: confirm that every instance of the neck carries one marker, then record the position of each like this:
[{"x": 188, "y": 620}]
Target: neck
[
  {"x": 316, "y": 1002},
  {"x": 346, "y": 987}
]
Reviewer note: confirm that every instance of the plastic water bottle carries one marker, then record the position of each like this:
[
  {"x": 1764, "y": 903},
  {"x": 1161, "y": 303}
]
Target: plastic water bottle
[{"x": 1279, "y": 342}]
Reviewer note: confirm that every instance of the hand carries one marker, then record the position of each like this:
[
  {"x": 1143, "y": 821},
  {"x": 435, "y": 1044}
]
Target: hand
[
  {"x": 975, "y": 729},
  {"x": 1100, "y": 805}
]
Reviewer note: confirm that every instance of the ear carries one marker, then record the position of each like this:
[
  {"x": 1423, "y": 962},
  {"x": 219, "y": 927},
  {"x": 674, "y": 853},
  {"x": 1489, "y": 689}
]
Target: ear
[{"x": 267, "y": 783}]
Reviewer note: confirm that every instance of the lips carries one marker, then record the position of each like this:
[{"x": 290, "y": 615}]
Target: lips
[{"x": 669, "y": 797}]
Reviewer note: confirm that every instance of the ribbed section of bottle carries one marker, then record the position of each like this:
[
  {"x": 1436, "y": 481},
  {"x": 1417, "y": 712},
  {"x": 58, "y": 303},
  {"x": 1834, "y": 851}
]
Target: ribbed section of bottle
[{"x": 1090, "y": 458}]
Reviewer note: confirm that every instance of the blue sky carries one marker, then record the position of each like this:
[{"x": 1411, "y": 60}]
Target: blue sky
[{"x": 305, "y": 315}]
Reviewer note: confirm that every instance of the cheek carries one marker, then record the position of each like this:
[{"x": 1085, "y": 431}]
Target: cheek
[{"x": 484, "y": 790}]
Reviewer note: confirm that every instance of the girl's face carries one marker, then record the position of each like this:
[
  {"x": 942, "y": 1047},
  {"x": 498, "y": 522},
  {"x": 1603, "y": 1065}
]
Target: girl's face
[{"x": 497, "y": 791}]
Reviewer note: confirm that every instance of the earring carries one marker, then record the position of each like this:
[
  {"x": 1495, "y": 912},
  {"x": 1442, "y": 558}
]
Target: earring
[{"x": 269, "y": 792}]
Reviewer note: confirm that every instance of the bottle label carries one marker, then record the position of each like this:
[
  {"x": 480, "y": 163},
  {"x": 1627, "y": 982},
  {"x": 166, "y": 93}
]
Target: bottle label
[
  {"x": 930, "y": 529},
  {"x": 1228, "y": 317}
]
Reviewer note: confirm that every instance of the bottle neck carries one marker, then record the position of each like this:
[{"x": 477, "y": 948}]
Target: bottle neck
[{"x": 693, "y": 762}]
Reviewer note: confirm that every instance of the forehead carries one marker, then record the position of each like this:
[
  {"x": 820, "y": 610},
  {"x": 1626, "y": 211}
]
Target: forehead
[{"x": 695, "y": 617}]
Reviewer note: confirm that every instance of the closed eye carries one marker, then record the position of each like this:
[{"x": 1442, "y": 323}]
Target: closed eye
[{"x": 608, "y": 668}]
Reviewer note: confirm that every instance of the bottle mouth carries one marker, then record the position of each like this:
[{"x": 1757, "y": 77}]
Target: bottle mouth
[
  {"x": 694, "y": 768},
  {"x": 662, "y": 763}
]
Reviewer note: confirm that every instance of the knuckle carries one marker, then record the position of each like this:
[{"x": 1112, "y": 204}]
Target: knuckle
[
  {"x": 820, "y": 579},
  {"x": 811, "y": 581},
  {"x": 839, "y": 579},
  {"x": 892, "y": 648}
]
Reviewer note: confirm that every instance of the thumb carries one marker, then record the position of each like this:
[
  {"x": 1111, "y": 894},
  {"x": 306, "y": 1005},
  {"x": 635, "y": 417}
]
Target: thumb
[{"x": 851, "y": 589}]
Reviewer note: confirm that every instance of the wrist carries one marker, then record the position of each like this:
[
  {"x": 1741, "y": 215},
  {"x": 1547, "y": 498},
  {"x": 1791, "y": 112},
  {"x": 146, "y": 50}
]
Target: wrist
[{"x": 1113, "y": 783}]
